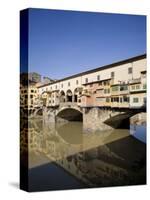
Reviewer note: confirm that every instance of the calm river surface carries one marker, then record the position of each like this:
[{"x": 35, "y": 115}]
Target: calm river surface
[{"x": 61, "y": 156}]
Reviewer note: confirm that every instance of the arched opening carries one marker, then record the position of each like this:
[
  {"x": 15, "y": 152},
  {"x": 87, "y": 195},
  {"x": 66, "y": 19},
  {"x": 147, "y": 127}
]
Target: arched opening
[
  {"x": 44, "y": 98},
  {"x": 69, "y": 96},
  {"x": 39, "y": 112},
  {"x": 62, "y": 96},
  {"x": 76, "y": 95},
  {"x": 70, "y": 114}
]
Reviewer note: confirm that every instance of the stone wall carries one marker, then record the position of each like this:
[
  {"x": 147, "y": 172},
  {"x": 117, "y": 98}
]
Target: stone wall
[
  {"x": 139, "y": 118},
  {"x": 93, "y": 119}
]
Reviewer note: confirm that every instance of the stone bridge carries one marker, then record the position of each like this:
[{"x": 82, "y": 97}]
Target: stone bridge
[{"x": 94, "y": 118}]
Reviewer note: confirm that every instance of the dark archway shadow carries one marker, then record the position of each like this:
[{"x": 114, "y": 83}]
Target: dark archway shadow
[{"x": 70, "y": 114}]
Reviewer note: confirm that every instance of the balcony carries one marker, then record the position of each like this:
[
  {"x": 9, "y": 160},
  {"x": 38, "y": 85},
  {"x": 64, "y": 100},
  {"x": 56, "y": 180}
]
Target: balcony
[
  {"x": 134, "y": 81},
  {"x": 138, "y": 88}
]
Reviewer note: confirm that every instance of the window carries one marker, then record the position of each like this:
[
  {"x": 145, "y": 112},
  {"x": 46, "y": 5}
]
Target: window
[
  {"x": 133, "y": 87},
  {"x": 144, "y": 86},
  {"x": 115, "y": 88},
  {"x": 56, "y": 87},
  {"x": 107, "y": 100},
  {"x": 125, "y": 99},
  {"x": 130, "y": 70},
  {"x": 31, "y": 96},
  {"x": 116, "y": 99},
  {"x": 98, "y": 77},
  {"x": 123, "y": 87},
  {"x": 112, "y": 74},
  {"x": 62, "y": 85},
  {"x": 106, "y": 91},
  {"x": 100, "y": 99},
  {"x": 32, "y": 91},
  {"x": 135, "y": 100},
  {"x": 137, "y": 87},
  {"x": 77, "y": 82},
  {"x": 68, "y": 83},
  {"x": 105, "y": 83},
  {"x": 100, "y": 83},
  {"x": 86, "y": 80}
]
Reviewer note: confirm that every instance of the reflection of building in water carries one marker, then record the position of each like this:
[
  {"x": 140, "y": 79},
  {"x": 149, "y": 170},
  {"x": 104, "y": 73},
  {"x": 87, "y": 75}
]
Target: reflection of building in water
[
  {"x": 29, "y": 97},
  {"x": 112, "y": 162}
]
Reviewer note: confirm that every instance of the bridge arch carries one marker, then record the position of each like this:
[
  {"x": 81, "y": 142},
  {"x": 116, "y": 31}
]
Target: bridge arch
[
  {"x": 70, "y": 114},
  {"x": 122, "y": 119},
  {"x": 39, "y": 112}
]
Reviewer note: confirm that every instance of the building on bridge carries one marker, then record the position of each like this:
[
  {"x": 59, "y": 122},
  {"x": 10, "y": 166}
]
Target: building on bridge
[{"x": 121, "y": 85}]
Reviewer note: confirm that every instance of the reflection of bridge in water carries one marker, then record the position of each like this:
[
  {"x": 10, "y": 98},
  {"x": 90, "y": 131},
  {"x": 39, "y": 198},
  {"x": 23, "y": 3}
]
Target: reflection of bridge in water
[{"x": 98, "y": 159}]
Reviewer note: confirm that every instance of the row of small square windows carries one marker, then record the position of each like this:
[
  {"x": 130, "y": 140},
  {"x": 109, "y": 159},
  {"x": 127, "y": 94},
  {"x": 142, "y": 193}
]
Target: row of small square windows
[{"x": 98, "y": 78}]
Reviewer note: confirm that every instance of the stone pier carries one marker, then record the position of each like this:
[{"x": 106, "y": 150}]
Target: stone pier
[{"x": 93, "y": 119}]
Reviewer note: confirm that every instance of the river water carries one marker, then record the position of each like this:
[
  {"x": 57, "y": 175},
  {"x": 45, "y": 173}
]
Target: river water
[{"x": 62, "y": 156}]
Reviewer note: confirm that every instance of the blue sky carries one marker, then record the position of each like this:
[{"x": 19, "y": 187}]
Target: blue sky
[{"x": 62, "y": 43}]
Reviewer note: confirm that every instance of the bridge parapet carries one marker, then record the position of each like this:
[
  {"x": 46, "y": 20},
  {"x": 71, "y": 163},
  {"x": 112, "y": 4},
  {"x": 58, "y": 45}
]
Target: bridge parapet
[{"x": 68, "y": 104}]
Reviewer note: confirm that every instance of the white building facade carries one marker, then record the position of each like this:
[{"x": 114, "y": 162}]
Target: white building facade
[{"x": 126, "y": 86}]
